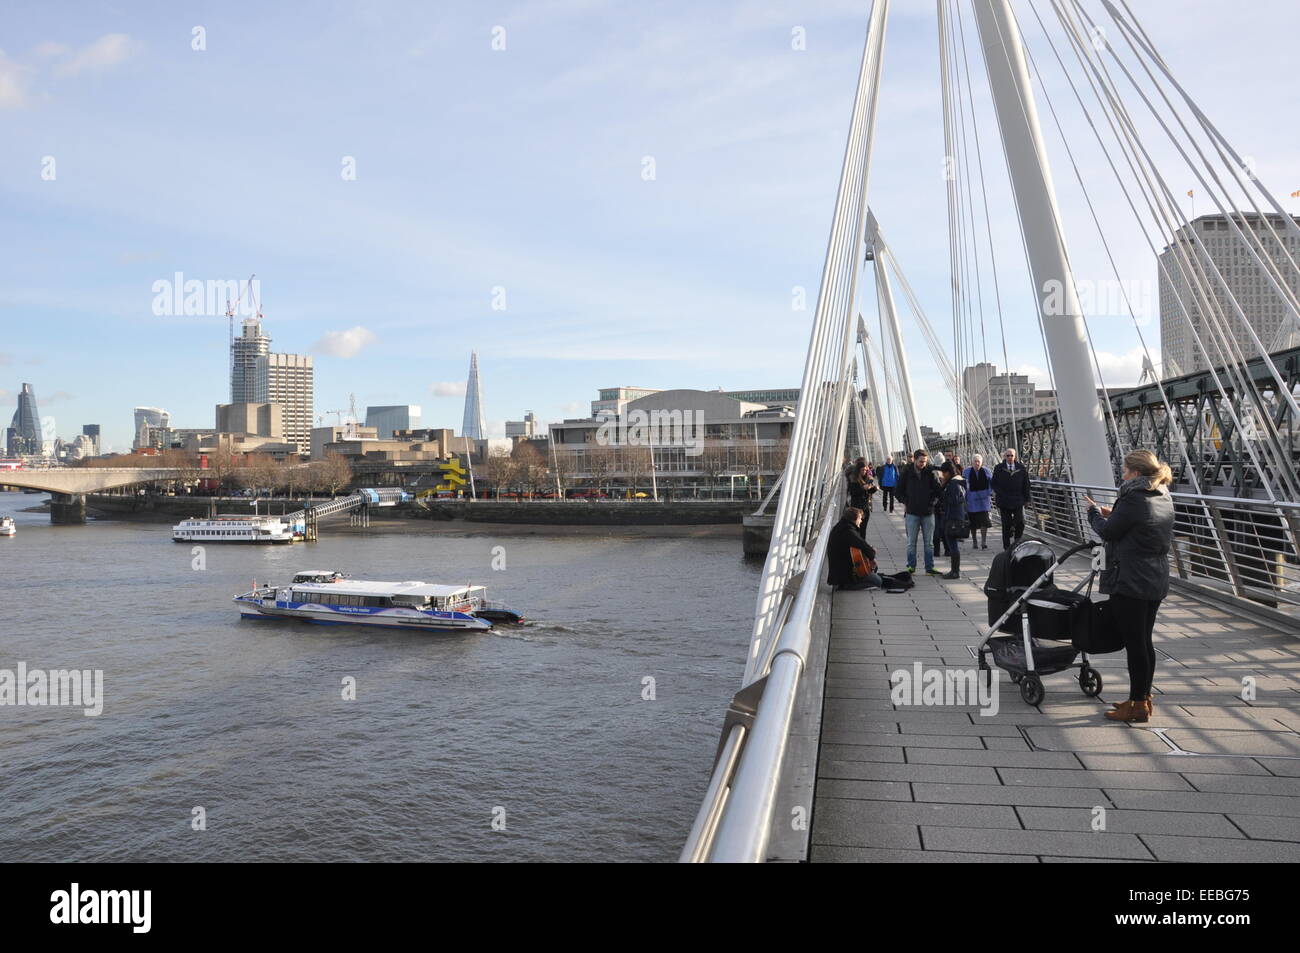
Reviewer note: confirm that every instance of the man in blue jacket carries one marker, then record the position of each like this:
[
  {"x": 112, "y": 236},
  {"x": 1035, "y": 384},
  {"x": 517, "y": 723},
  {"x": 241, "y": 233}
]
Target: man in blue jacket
[
  {"x": 1011, "y": 493},
  {"x": 888, "y": 481}
]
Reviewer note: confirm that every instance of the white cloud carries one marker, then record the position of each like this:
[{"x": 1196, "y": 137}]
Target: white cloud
[
  {"x": 448, "y": 389},
  {"x": 1119, "y": 370},
  {"x": 109, "y": 50},
  {"x": 344, "y": 343},
  {"x": 14, "y": 78}
]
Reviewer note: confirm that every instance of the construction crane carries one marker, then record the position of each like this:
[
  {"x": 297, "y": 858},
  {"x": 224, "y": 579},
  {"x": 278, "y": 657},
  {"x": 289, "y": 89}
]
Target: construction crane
[
  {"x": 350, "y": 431},
  {"x": 231, "y": 308}
]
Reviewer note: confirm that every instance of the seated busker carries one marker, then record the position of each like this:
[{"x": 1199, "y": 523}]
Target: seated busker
[{"x": 846, "y": 537}]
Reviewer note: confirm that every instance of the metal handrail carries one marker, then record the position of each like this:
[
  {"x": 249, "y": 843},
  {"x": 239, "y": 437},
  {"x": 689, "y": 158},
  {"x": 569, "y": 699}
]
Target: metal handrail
[
  {"x": 1246, "y": 548},
  {"x": 734, "y": 823}
]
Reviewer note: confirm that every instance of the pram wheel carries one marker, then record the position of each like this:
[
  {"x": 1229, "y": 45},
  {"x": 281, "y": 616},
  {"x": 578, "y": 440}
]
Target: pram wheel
[
  {"x": 1090, "y": 681},
  {"x": 1031, "y": 688}
]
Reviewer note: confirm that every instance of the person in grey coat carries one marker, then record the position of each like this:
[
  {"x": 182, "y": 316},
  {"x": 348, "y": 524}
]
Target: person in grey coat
[{"x": 1138, "y": 531}]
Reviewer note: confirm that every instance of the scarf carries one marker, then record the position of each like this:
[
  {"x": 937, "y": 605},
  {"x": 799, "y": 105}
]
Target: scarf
[{"x": 979, "y": 479}]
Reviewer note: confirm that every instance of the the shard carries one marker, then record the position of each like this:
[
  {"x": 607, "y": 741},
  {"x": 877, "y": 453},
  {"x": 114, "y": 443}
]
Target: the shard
[{"x": 473, "y": 425}]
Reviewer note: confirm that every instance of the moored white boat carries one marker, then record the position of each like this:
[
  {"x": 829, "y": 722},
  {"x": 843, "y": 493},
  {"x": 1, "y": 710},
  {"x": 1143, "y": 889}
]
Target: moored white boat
[
  {"x": 327, "y": 597},
  {"x": 233, "y": 529},
  {"x": 7, "y": 527}
]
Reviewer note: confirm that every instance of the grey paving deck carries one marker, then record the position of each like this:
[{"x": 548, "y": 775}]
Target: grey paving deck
[{"x": 927, "y": 784}]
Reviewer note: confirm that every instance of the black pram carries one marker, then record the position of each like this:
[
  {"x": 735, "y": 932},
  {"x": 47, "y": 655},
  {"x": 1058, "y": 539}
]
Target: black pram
[{"x": 1026, "y": 609}]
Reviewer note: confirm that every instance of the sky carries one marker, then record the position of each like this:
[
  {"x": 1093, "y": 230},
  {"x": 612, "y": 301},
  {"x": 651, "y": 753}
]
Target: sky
[{"x": 407, "y": 191}]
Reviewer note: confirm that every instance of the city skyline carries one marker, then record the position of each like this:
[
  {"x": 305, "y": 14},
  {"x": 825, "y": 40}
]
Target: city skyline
[{"x": 562, "y": 263}]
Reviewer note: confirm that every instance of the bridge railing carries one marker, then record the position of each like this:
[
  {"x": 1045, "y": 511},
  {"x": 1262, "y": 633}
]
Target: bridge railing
[{"x": 1225, "y": 545}]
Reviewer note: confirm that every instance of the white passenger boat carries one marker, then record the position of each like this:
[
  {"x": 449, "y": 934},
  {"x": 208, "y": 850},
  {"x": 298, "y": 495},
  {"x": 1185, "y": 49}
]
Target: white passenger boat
[
  {"x": 7, "y": 527},
  {"x": 327, "y": 597},
  {"x": 233, "y": 529}
]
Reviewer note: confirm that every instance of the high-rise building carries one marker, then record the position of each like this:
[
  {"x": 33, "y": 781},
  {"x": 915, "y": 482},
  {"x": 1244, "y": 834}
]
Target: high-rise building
[
  {"x": 247, "y": 382},
  {"x": 25, "y": 436},
  {"x": 388, "y": 420},
  {"x": 92, "y": 431},
  {"x": 290, "y": 382},
  {"x": 149, "y": 424},
  {"x": 525, "y": 429},
  {"x": 1267, "y": 315},
  {"x": 997, "y": 398},
  {"x": 473, "y": 425}
]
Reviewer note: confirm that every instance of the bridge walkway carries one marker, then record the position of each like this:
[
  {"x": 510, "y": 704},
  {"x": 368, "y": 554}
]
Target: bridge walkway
[{"x": 1211, "y": 778}]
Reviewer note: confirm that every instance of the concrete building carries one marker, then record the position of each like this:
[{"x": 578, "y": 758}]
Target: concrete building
[
  {"x": 390, "y": 419},
  {"x": 259, "y": 420},
  {"x": 612, "y": 400},
  {"x": 149, "y": 422},
  {"x": 290, "y": 382},
  {"x": 247, "y": 381},
  {"x": 692, "y": 441},
  {"x": 998, "y": 398},
  {"x": 92, "y": 431},
  {"x": 525, "y": 429},
  {"x": 1265, "y": 312},
  {"x": 322, "y": 437},
  {"x": 773, "y": 397}
]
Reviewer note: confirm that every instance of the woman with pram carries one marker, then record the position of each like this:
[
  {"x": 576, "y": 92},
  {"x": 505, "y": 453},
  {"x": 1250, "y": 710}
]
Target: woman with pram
[{"x": 1137, "y": 531}]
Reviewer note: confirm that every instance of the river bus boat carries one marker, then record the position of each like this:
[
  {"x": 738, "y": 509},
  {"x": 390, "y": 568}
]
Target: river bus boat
[
  {"x": 233, "y": 529},
  {"x": 7, "y": 526},
  {"x": 330, "y": 598}
]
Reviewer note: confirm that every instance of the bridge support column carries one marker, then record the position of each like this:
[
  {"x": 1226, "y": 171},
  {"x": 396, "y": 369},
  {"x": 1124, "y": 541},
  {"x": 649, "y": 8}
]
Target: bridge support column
[
  {"x": 1040, "y": 222},
  {"x": 67, "y": 508}
]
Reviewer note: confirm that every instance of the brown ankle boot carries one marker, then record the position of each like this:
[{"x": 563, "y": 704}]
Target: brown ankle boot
[
  {"x": 1129, "y": 711},
  {"x": 1148, "y": 703}
]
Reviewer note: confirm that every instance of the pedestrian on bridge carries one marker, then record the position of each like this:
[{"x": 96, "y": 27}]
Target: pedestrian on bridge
[
  {"x": 861, "y": 487},
  {"x": 1011, "y": 493},
  {"x": 888, "y": 481},
  {"x": 979, "y": 492},
  {"x": 918, "y": 490},
  {"x": 1138, "y": 531},
  {"x": 955, "y": 521}
]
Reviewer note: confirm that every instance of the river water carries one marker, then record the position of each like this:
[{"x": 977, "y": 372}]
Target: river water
[{"x": 543, "y": 727}]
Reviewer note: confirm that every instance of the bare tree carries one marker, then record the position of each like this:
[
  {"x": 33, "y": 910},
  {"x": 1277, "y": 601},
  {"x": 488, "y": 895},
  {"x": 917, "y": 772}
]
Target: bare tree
[
  {"x": 335, "y": 473},
  {"x": 713, "y": 464},
  {"x": 498, "y": 469}
]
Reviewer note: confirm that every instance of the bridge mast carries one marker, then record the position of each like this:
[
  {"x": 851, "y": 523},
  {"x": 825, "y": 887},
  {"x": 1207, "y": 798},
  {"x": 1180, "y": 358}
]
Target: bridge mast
[
  {"x": 1040, "y": 222},
  {"x": 885, "y": 291}
]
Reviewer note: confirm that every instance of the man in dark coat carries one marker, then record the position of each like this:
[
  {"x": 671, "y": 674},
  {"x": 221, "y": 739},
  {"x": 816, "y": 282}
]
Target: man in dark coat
[
  {"x": 845, "y": 536},
  {"x": 1012, "y": 493},
  {"x": 918, "y": 490}
]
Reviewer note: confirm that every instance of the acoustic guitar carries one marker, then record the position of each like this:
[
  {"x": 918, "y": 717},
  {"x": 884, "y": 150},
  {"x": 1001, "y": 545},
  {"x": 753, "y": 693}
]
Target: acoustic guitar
[{"x": 861, "y": 564}]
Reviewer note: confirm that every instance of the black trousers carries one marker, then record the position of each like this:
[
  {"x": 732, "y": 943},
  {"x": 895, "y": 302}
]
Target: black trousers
[
  {"x": 1137, "y": 618},
  {"x": 940, "y": 541},
  {"x": 886, "y": 499},
  {"x": 1013, "y": 524}
]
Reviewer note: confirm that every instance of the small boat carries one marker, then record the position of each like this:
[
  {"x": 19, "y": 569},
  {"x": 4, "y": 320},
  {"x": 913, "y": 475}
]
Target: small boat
[
  {"x": 327, "y": 597},
  {"x": 7, "y": 527},
  {"x": 233, "y": 529}
]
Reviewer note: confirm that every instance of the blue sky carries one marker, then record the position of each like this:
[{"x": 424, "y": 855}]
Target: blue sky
[{"x": 519, "y": 169}]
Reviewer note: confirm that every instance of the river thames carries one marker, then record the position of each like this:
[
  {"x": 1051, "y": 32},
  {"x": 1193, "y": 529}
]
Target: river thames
[{"x": 545, "y": 727}]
